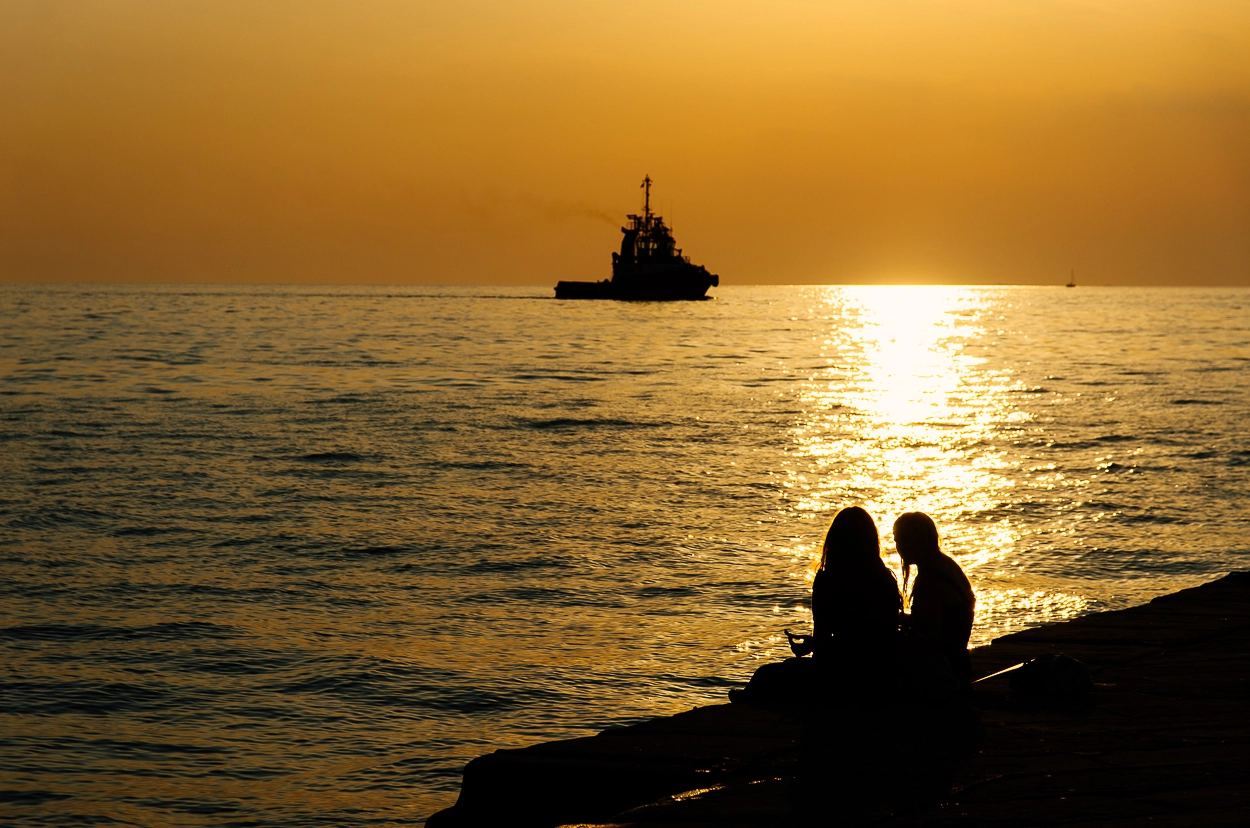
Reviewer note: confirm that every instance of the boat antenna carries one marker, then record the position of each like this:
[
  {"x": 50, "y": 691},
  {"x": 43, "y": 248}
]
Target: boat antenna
[{"x": 646, "y": 183}]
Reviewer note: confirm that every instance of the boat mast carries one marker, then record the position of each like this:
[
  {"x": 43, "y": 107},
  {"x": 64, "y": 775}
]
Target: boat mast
[{"x": 646, "y": 210}]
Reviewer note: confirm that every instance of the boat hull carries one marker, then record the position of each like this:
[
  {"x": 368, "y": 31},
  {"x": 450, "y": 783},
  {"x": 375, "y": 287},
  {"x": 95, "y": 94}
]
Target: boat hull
[
  {"x": 584, "y": 290},
  {"x": 664, "y": 286}
]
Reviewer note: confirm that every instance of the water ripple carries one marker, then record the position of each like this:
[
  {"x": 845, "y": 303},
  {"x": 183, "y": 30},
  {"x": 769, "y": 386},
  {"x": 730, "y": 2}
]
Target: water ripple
[{"x": 290, "y": 556}]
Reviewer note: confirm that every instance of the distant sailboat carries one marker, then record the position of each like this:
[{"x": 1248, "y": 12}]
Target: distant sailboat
[{"x": 1072, "y": 279}]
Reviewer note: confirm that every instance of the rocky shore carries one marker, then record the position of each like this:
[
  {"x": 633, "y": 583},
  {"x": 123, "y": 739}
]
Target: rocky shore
[{"x": 1164, "y": 737}]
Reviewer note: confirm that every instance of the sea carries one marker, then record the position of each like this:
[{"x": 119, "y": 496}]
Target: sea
[{"x": 291, "y": 556}]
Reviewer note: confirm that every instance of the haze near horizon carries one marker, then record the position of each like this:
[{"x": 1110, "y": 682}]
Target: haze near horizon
[{"x": 969, "y": 141}]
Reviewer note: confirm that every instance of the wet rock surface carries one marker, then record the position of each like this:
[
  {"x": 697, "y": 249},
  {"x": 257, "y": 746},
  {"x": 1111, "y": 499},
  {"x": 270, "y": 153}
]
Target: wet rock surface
[{"x": 1163, "y": 737}]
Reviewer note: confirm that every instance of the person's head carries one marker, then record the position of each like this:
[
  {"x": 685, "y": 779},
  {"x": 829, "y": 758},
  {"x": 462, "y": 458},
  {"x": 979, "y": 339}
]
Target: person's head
[
  {"x": 916, "y": 538},
  {"x": 851, "y": 540}
]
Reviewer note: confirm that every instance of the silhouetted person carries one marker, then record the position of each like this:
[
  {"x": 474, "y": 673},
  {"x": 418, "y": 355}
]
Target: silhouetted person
[
  {"x": 942, "y": 602},
  {"x": 856, "y": 605},
  {"x": 856, "y": 609},
  {"x": 850, "y": 739}
]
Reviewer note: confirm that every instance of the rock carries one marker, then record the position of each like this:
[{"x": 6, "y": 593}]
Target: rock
[
  {"x": 1169, "y": 741},
  {"x": 589, "y": 779}
]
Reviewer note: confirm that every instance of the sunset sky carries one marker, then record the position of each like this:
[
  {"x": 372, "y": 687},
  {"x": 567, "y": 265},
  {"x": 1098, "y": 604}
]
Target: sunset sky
[{"x": 499, "y": 141}]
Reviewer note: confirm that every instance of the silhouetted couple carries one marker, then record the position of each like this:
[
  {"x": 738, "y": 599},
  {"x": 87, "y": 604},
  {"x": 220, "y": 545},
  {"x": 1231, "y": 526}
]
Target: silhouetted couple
[{"x": 863, "y": 644}]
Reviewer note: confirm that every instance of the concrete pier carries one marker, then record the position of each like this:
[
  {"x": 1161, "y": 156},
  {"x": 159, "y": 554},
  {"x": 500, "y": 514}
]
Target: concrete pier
[{"x": 1164, "y": 738}]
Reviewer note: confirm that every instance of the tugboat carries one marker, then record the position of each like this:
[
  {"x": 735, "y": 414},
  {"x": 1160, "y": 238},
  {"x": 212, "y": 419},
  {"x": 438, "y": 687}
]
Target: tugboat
[{"x": 650, "y": 266}]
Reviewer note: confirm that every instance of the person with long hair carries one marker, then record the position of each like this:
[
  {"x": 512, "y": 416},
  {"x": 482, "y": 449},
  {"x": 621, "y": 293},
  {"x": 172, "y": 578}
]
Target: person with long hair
[
  {"x": 856, "y": 610},
  {"x": 942, "y": 601},
  {"x": 856, "y": 602}
]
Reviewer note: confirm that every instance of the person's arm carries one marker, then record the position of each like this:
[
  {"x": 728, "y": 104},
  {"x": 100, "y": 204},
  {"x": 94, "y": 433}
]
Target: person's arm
[
  {"x": 822, "y": 611},
  {"x": 802, "y": 645},
  {"x": 821, "y": 614},
  {"x": 931, "y": 598}
]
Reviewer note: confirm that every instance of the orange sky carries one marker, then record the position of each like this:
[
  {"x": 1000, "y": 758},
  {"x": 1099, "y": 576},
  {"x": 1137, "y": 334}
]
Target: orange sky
[{"x": 482, "y": 141}]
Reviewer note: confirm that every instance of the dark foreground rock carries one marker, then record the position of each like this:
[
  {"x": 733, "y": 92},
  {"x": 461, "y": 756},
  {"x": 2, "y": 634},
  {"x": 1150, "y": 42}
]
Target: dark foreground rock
[
  {"x": 596, "y": 777},
  {"x": 1163, "y": 738}
]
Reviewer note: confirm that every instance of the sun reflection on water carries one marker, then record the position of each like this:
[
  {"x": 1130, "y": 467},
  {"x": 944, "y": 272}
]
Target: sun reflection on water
[{"x": 903, "y": 417}]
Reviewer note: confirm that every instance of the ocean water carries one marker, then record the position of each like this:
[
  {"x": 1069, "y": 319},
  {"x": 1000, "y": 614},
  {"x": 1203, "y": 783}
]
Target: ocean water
[{"x": 292, "y": 556}]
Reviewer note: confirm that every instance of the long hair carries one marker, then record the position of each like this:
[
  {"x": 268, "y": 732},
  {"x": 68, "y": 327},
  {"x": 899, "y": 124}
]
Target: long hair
[
  {"x": 921, "y": 528},
  {"x": 851, "y": 541}
]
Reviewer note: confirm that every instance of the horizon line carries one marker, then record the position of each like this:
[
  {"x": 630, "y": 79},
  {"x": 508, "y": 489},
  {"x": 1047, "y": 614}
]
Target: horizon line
[{"x": 549, "y": 286}]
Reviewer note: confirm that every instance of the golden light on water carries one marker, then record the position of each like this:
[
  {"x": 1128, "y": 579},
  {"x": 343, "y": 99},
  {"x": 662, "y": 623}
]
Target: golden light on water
[
  {"x": 337, "y": 542},
  {"x": 903, "y": 416}
]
